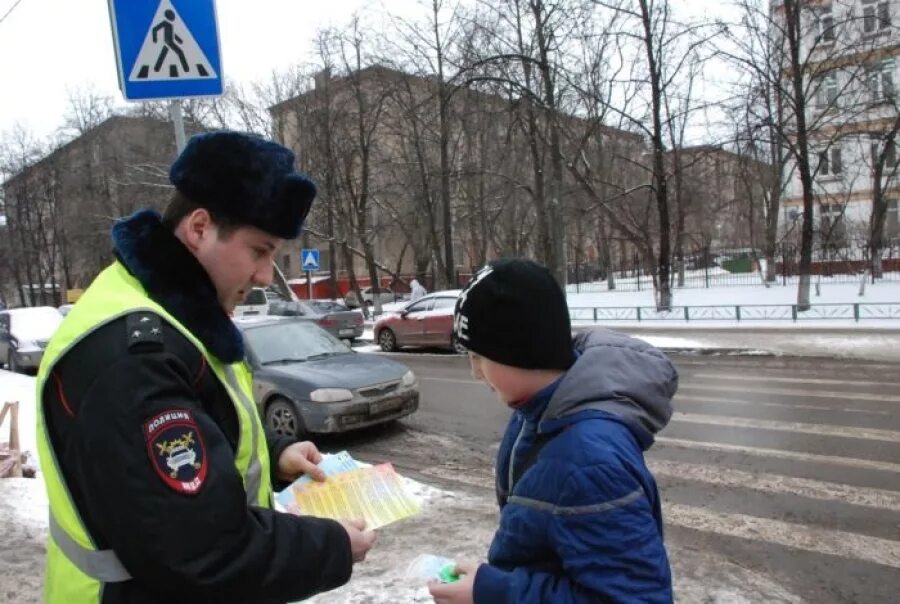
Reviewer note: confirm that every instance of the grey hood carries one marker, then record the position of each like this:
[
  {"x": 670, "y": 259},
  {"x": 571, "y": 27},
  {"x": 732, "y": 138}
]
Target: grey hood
[{"x": 619, "y": 375}]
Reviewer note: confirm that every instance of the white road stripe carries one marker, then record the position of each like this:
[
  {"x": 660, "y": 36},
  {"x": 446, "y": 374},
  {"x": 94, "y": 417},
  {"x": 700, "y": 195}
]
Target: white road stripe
[
  {"x": 762, "y": 379},
  {"x": 890, "y": 436},
  {"x": 868, "y": 464},
  {"x": 854, "y": 396},
  {"x": 732, "y": 401},
  {"x": 788, "y": 534},
  {"x": 776, "y": 483}
]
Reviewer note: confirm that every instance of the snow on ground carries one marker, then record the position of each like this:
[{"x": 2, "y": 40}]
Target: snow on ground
[{"x": 581, "y": 305}]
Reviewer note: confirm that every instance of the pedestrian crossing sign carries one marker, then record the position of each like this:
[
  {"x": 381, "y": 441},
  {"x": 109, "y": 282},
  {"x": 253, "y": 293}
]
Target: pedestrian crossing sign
[
  {"x": 166, "y": 48},
  {"x": 309, "y": 259}
]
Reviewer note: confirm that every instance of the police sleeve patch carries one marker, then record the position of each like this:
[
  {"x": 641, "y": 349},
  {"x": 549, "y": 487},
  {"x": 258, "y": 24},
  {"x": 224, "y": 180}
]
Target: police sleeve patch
[{"x": 176, "y": 450}]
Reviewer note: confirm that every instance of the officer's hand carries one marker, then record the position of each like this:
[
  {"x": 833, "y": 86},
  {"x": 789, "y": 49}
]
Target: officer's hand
[
  {"x": 297, "y": 459},
  {"x": 361, "y": 540}
]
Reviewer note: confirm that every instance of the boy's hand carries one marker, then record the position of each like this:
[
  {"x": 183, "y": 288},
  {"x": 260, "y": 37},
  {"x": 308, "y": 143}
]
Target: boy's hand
[{"x": 460, "y": 592}]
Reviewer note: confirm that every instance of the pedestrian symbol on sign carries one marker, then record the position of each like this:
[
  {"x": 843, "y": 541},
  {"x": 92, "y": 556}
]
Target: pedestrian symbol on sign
[
  {"x": 310, "y": 259},
  {"x": 169, "y": 51}
]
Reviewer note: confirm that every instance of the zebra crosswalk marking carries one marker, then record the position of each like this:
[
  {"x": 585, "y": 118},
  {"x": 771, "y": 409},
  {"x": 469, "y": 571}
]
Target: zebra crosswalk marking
[{"x": 890, "y": 436}]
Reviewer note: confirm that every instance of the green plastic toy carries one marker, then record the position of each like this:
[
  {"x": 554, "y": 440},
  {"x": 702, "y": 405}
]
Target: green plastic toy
[{"x": 446, "y": 574}]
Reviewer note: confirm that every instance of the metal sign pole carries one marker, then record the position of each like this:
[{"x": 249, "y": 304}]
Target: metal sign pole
[
  {"x": 177, "y": 122},
  {"x": 309, "y": 285}
]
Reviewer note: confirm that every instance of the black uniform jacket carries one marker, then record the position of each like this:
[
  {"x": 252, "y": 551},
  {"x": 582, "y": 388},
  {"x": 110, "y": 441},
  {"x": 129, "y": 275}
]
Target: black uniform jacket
[{"x": 179, "y": 546}]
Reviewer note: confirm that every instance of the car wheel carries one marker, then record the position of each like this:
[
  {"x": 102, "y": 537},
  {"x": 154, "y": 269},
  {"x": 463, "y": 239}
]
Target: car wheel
[
  {"x": 387, "y": 340},
  {"x": 455, "y": 345},
  {"x": 11, "y": 362},
  {"x": 283, "y": 419}
]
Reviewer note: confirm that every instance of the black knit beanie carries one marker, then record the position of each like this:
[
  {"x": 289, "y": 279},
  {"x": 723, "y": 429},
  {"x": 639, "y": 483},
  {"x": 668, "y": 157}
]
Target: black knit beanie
[{"x": 513, "y": 312}]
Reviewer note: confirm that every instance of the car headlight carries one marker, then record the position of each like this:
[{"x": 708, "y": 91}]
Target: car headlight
[
  {"x": 330, "y": 395},
  {"x": 409, "y": 378}
]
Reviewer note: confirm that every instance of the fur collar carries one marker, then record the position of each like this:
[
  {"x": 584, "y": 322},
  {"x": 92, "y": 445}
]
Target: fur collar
[{"x": 175, "y": 280}]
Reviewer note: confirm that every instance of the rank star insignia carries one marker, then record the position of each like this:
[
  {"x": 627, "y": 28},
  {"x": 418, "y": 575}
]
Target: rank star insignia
[{"x": 136, "y": 333}]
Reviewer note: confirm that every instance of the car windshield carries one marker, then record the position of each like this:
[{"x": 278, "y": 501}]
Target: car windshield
[
  {"x": 292, "y": 341},
  {"x": 35, "y": 323}
]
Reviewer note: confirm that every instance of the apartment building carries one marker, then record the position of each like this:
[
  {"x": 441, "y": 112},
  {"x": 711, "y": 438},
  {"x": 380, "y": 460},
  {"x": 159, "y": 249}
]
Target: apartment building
[{"x": 851, "y": 49}]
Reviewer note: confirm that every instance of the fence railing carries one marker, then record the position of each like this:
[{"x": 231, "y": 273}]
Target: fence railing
[
  {"x": 852, "y": 311},
  {"x": 711, "y": 267}
]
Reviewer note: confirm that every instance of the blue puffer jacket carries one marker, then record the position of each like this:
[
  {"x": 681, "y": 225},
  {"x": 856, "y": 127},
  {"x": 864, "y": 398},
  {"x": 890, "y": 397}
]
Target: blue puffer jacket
[{"x": 583, "y": 522}]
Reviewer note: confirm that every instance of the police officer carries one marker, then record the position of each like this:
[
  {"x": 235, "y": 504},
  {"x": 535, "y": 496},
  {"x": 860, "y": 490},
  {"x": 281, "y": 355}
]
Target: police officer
[{"x": 158, "y": 469}]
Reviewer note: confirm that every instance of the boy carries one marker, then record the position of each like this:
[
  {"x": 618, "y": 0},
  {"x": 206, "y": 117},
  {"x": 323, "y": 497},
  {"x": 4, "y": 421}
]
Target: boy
[{"x": 580, "y": 512}]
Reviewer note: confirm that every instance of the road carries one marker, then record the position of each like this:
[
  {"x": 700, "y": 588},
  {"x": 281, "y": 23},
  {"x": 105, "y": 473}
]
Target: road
[{"x": 780, "y": 475}]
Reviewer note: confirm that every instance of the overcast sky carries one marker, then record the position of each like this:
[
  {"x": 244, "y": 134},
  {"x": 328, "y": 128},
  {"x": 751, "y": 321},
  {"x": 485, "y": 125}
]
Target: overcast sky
[{"x": 49, "y": 48}]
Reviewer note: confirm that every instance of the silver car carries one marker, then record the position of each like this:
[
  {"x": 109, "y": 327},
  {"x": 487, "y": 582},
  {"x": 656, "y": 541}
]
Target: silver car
[
  {"x": 306, "y": 380},
  {"x": 343, "y": 324},
  {"x": 24, "y": 334}
]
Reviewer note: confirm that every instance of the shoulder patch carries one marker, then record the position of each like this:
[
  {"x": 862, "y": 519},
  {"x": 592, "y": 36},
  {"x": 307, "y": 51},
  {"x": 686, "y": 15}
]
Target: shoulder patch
[
  {"x": 143, "y": 328},
  {"x": 176, "y": 450}
]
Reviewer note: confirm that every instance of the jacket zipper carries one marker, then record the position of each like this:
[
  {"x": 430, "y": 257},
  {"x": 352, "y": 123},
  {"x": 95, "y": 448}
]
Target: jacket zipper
[{"x": 512, "y": 458}]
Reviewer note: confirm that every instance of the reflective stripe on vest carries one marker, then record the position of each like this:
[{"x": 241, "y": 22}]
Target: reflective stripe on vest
[
  {"x": 253, "y": 475},
  {"x": 115, "y": 293},
  {"x": 101, "y": 564}
]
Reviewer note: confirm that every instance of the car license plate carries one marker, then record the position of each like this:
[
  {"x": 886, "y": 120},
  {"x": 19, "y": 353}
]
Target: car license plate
[
  {"x": 346, "y": 332},
  {"x": 382, "y": 406}
]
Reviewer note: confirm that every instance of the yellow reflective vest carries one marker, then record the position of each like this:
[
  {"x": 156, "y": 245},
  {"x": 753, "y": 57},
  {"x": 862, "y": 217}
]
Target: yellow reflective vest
[{"x": 76, "y": 569}]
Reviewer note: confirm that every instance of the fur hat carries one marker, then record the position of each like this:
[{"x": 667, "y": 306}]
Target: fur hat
[
  {"x": 246, "y": 178},
  {"x": 514, "y": 312}
]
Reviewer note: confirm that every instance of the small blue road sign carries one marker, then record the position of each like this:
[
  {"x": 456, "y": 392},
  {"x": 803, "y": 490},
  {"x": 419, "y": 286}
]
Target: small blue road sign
[
  {"x": 309, "y": 259},
  {"x": 166, "y": 49}
]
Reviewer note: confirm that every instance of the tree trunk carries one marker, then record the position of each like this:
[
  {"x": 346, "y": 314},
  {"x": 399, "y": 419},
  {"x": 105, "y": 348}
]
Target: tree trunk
[
  {"x": 661, "y": 277},
  {"x": 792, "y": 21}
]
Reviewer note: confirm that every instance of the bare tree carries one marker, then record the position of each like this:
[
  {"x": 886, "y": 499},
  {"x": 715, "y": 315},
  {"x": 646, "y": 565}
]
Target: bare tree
[
  {"x": 820, "y": 57},
  {"x": 87, "y": 109},
  {"x": 884, "y": 173}
]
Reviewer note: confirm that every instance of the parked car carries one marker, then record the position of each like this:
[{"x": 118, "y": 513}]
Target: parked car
[
  {"x": 24, "y": 334},
  {"x": 426, "y": 322},
  {"x": 327, "y": 305},
  {"x": 341, "y": 324},
  {"x": 256, "y": 303},
  {"x": 369, "y": 294},
  {"x": 305, "y": 380},
  {"x": 65, "y": 308}
]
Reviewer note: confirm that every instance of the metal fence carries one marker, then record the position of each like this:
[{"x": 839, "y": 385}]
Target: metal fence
[
  {"x": 851, "y": 311},
  {"x": 708, "y": 267}
]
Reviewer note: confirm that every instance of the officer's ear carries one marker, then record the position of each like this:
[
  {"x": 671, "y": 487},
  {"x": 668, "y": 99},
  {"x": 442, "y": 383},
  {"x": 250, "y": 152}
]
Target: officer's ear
[{"x": 196, "y": 229}]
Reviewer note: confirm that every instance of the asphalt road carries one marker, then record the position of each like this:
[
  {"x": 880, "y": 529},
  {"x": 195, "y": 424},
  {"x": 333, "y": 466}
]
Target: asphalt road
[{"x": 777, "y": 470}]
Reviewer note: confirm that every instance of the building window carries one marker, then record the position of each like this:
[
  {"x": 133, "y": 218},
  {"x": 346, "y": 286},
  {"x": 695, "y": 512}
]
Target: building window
[
  {"x": 830, "y": 163},
  {"x": 827, "y": 91},
  {"x": 880, "y": 81},
  {"x": 890, "y": 154},
  {"x": 831, "y": 223},
  {"x": 892, "y": 220},
  {"x": 876, "y": 16},
  {"x": 826, "y": 25}
]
